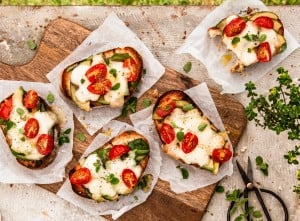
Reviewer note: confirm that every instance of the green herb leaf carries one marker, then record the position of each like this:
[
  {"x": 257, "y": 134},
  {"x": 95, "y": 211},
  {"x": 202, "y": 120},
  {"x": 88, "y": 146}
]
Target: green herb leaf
[
  {"x": 187, "y": 107},
  {"x": 235, "y": 40},
  {"x": 63, "y": 139},
  {"x": 202, "y": 126},
  {"x": 113, "y": 72},
  {"x": 144, "y": 71},
  {"x": 20, "y": 111},
  {"x": 220, "y": 189},
  {"x": 262, "y": 37},
  {"x": 257, "y": 214},
  {"x": 67, "y": 131},
  {"x": 130, "y": 105},
  {"x": 249, "y": 50},
  {"x": 136, "y": 197},
  {"x": 187, "y": 67},
  {"x": 31, "y": 44},
  {"x": 146, "y": 102},
  {"x": 21, "y": 131},
  {"x": 180, "y": 135},
  {"x": 23, "y": 139},
  {"x": 184, "y": 172},
  {"x": 251, "y": 37},
  {"x": 50, "y": 98},
  {"x": 116, "y": 86},
  {"x": 10, "y": 124},
  {"x": 80, "y": 136},
  {"x": 112, "y": 179},
  {"x": 82, "y": 81},
  {"x": 261, "y": 165},
  {"x": 119, "y": 57},
  {"x": 97, "y": 165},
  {"x": 173, "y": 125}
]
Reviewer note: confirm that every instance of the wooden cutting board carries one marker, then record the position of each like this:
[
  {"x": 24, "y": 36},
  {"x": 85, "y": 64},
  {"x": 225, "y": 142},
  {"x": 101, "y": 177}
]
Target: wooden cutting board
[{"x": 60, "y": 39}]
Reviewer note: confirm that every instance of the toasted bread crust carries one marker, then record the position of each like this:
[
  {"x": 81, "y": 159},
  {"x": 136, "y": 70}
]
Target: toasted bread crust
[
  {"x": 127, "y": 136},
  {"x": 66, "y": 75}
]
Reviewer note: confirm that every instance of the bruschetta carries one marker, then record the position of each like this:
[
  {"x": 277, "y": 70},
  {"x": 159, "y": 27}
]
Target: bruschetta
[
  {"x": 114, "y": 169},
  {"x": 187, "y": 135},
  {"x": 30, "y": 127},
  {"x": 254, "y": 37},
  {"x": 107, "y": 78}
]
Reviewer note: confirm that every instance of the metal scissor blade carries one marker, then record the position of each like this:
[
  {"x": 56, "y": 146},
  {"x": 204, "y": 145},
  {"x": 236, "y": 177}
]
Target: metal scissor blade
[
  {"x": 249, "y": 170},
  {"x": 243, "y": 173}
]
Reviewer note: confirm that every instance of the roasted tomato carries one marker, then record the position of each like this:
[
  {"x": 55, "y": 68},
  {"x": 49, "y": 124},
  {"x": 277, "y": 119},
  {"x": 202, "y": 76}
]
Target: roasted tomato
[
  {"x": 264, "y": 22},
  {"x": 167, "y": 133},
  {"x": 234, "y": 27},
  {"x": 5, "y": 109},
  {"x": 221, "y": 155},
  {"x": 31, "y": 128},
  {"x": 166, "y": 107},
  {"x": 189, "y": 143},
  {"x": 100, "y": 87},
  {"x": 263, "y": 53},
  {"x": 31, "y": 99},
  {"x": 129, "y": 178},
  {"x": 96, "y": 72},
  {"x": 117, "y": 151},
  {"x": 81, "y": 176},
  {"x": 132, "y": 75},
  {"x": 45, "y": 144}
]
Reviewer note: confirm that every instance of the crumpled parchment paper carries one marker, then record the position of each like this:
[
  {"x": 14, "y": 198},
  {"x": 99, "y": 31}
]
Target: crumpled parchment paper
[
  {"x": 208, "y": 50},
  {"x": 111, "y": 34},
  {"x": 13, "y": 172},
  {"x": 198, "y": 178},
  {"x": 125, "y": 203}
]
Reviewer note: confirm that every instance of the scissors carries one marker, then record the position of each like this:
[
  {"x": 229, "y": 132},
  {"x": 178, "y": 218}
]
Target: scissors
[{"x": 249, "y": 187}]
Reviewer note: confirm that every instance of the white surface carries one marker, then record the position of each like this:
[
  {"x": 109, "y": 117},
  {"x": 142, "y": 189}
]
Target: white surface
[{"x": 163, "y": 30}]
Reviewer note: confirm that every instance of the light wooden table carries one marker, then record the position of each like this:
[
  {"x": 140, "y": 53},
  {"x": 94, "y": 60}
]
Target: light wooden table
[{"x": 163, "y": 29}]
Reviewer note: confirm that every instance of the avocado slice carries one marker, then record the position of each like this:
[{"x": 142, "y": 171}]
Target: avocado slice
[
  {"x": 281, "y": 46},
  {"x": 83, "y": 105}
]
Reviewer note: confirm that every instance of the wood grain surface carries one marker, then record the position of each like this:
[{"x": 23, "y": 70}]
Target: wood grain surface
[{"x": 60, "y": 39}]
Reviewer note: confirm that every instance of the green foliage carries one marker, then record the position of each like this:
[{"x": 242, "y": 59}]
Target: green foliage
[
  {"x": 262, "y": 166},
  {"x": 64, "y": 137},
  {"x": 129, "y": 106},
  {"x": 184, "y": 172},
  {"x": 187, "y": 67}
]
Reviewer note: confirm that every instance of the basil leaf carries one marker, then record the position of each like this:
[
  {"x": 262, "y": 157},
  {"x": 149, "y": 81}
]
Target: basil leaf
[
  {"x": 262, "y": 37},
  {"x": 187, "y": 67},
  {"x": 184, "y": 172},
  {"x": 112, "y": 179},
  {"x": 180, "y": 135},
  {"x": 20, "y": 111},
  {"x": 220, "y": 189},
  {"x": 50, "y": 98},
  {"x": 97, "y": 165},
  {"x": 187, "y": 107},
  {"x": 201, "y": 127},
  {"x": 67, "y": 131},
  {"x": 235, "y": 40},
  {"x": 129, "y": 105},
  {"x": 116, "y": 87},
  {"x": 119, "y": 57},
  {"x": 80, "y": 136},
  {"x": 138, "y": 144},
  {"x": 147, "y": 102},
  {"x": 113, "y": 72},
  {"x": 21, "y": 131},
  {"x": 31, "y": 44},
  {"x": 10, "y": 124},
  {"x": 82, "y": 81},
  {"x": 173, "y": 125}
]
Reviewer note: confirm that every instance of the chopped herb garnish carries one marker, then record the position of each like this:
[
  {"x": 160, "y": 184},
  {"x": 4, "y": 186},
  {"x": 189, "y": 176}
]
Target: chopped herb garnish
[
  {"x": 220, "y": 189},
  {"x": 262, "y": 37},
  {"x": 50, "y": 98},
  {"x": 261, "y": 165},
  {"x": 31, "y": 44},
  {"x": 180, "y": 135},
  {"x": 97, "y": 165},
  {"x": 22, "y": 139},
  {"x": 201, "y": 127},
  {"x": 63, "y": 137},
  {"x": 235, "y": 40},
  {"x": 119, "y": 57},
  {"x": 130, "y": 105},
  {"x": 173, "y": 125},
  {"x": 249, "y": 50},
  {"x": 134, "y": 85},
  {"x": 184, "y": 172},
  {"x": 21, "y": 131},
  {"x": 187, "y": 107},
  {"x": 20, "y": 111},
  {"x": 10, "y": 124},
  {"x": 144, "y": 71},
  {"x": 67, "y": 131},
  {"x": 116, "y": 87},
  {"x": 146, "y": 102},
  {"x": 135, "y": 197},
  {"x": 80, "y": 136},
  {"x": 187, "y": 67},
  {"x": 113, "y": 72},
  {"x": 82, "y": 81},
  {"x": 112, "y": 179},
  {"x": 251, "y": 37}
]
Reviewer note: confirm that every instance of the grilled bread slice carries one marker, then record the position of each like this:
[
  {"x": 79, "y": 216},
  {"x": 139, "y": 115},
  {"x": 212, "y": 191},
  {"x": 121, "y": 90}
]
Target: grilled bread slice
[
  {"x": 254, "y": 37},
  {"x": 30, "y": 127},
  {"x": 187, "y": 135},
  {"x": 114, "y": 169},
  {"x": 107, "y": 78}
]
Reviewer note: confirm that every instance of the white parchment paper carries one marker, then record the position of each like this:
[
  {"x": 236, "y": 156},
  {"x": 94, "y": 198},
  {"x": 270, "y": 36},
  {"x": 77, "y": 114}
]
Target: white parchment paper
[
  {"x": 13, "y": 172},
  {"x": 198, "y": 178},
  {"x": 111, "y": 34},
  {"x": 208, "y": 50},
  {"x": 125, "y": 203}
]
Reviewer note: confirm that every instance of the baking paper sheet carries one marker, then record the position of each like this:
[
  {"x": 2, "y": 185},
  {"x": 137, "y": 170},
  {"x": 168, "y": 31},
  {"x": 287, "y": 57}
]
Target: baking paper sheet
[
  {"x": 125, "y": 203},
  {"x": 111, "y": 34},
  {"x": 198, "y": 178},
  {"x": 208, "y": 50},
  {"x": 13, "y": 172}
]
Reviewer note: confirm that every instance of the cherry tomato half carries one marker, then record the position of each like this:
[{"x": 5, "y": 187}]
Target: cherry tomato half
[
  {"x": 167, "y": 133},
  {"x": 263, "y": 53},
  {"x": 166, "y": 107},
  {"x": 189, "y": 143},
  {"x": 45, "y": 144},
  {"x": 129, "y": 178},
  {"x": 31, "y": 99},
  {"x": 96, "y": 72},
  {"x": 131, "y": 65},
  {"x": 221, "y": 155},
  {"x": 81, "y": 176},
  {"x": 235, "y": 27},
  {"x": 117, "y": 151},
  {"x": 264, "y": 21},
  {"x": 31, "y": 128},
  {"x": 100, "y": 87},
  {"x": 5, "y": 109}
]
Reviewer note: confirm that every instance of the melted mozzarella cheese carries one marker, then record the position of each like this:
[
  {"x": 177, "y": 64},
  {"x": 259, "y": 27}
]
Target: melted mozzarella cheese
[
  {"x": 208, "y": 139},
  {"x": 99, "y": 185}
]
